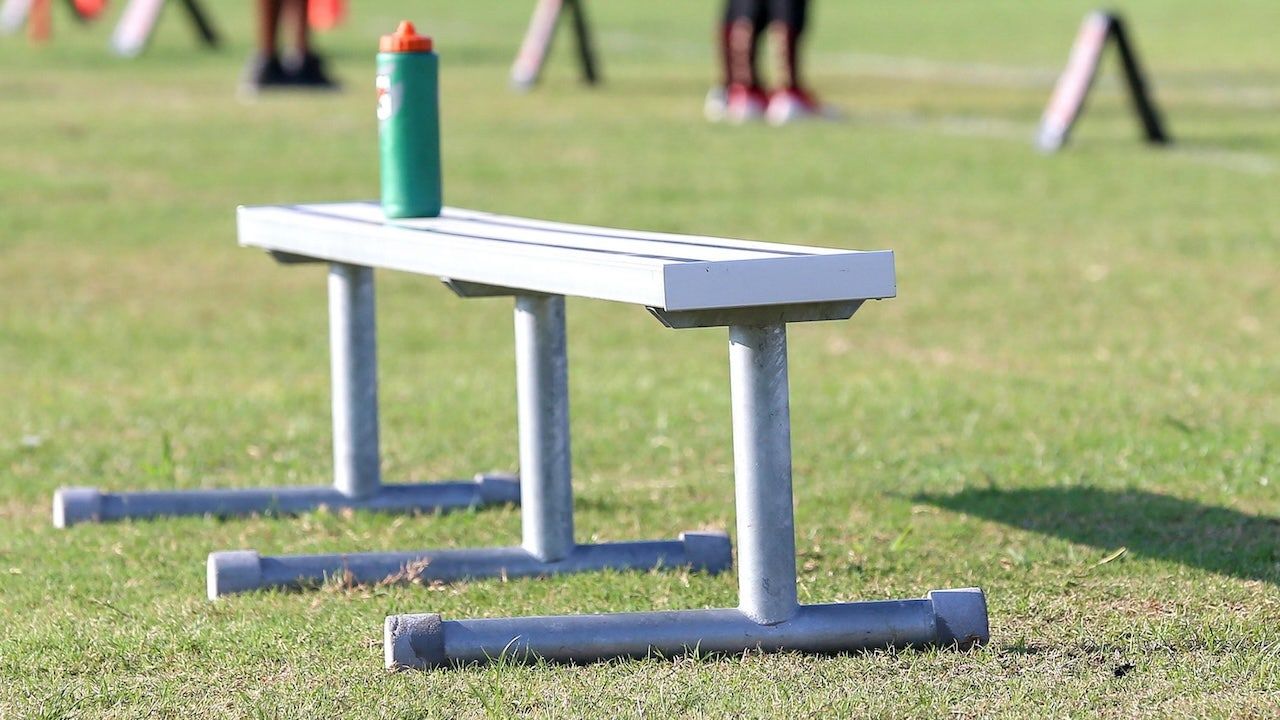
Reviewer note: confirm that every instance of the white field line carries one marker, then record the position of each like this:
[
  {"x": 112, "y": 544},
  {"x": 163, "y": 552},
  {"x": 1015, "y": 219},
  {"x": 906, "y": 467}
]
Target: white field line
[
  {"x": 989, "y": 75},
  {"x": 1201, "y": 88},
  {"x": 1208, "y": 89},
  {"x": 927, "y": 70},
  {"x": 977, "y": 126},
  {"x": 1252, "y": 98},
  {"x": 1243, "y": 162},
  {"x": 956, "y": 125}
]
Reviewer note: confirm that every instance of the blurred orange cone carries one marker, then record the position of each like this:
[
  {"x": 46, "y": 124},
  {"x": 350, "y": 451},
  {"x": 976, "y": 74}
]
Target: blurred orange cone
[
  {"x": 90, "y": 9},
  {"x": 326, "y": 14}
]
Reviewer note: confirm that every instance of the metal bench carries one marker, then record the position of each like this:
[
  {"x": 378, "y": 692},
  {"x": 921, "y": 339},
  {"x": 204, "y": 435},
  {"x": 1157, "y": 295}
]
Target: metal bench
[{"x": 752, "y": 288}]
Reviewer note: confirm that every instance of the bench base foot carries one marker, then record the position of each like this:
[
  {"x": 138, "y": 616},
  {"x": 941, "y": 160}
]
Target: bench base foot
[
  {"x": 244, "y": 570},
  {"x": 73, "y": 505},
  {"x": 943, "y": 618}
]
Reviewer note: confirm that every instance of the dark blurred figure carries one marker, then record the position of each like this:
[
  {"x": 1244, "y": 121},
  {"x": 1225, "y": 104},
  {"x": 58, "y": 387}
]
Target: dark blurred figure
[
  {"x": 742, "y": 96},
  {"x": 304, "y": 68}
]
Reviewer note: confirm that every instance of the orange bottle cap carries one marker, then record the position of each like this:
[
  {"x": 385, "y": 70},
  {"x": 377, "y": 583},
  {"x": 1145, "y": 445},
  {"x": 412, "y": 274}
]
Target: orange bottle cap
[{"x": 405, "y": 39}]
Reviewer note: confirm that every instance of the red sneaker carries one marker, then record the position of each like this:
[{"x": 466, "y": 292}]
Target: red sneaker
[
  {"x": 745, "y": 103},
  {"x": 793, "y": 104}
]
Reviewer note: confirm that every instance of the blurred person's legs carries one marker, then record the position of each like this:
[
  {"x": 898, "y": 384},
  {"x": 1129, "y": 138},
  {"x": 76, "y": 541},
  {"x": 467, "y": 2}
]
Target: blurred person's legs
[
  {"x": 787, "y": 20},
  {"x": 740, "y": 96},
  {"x": 265, "y": 69},
  {"x": 793, "y": 100},
  {"x": 307, "y": 68}
]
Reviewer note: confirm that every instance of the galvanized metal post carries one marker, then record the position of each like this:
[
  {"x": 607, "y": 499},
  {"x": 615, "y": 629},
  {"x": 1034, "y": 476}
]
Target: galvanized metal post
[
  {"x": 762, "y": 472},
  {"x": 542, "y": 393},
  {"x": 354, "y": 365},
  {"x": 768, "y": 617},
  {"x": 243, "y": 570},
  {"x": 545, "y": 485}
]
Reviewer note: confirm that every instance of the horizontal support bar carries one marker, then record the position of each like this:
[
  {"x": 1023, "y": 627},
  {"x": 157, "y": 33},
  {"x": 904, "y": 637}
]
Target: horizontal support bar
[
  {"x": 244, "y": 570},
  {"x": 465, "y": 289},
  {"x": 73, "y": 505},
  {"x": 758, "y": 315},
  {"x": 287, "y": 258},
  {"x": 943, "y": 618}
]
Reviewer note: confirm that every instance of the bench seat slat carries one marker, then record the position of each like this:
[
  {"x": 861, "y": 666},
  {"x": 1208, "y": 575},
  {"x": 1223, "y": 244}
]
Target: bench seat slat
[
  {"x": 591, "y": 236},
  {"x": 661, "y": 270}
]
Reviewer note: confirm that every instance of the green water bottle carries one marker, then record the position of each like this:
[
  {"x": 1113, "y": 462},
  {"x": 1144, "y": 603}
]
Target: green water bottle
[{"x": 409, "y": 124}]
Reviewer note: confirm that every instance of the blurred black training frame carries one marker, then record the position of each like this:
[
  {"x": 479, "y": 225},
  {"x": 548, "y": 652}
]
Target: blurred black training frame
[
  {"x": 1072, "y": 90},
  {"x": 140, "y": 17},
  {"x": 537, "y": 43}
]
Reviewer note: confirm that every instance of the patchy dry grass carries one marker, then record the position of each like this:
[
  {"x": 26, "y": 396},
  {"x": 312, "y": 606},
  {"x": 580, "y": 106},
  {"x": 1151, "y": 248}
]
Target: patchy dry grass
[{"x": 1082, "y": 360}]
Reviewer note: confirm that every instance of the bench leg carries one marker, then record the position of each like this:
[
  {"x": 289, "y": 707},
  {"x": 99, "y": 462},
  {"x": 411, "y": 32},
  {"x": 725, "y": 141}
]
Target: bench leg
[
  {"x": 768, "y": 617},
  {"x": 353, "y": 360},
  {"x": 546, "y": 499},
  {"x": 762, "y": 473},
  {"x": 356, "y": 473},
  {"x": 542, "y": 397}
]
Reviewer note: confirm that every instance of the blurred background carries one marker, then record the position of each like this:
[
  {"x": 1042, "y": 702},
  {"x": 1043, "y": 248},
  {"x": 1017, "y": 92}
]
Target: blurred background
[{"x": 1081, "y": 359}]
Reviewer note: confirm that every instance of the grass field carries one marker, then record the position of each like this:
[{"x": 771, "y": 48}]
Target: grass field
[{"x": 1074, "y": 402}]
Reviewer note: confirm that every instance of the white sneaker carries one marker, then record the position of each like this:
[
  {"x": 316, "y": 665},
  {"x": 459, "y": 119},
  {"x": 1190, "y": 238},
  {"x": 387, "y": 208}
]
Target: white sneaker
[
  {"x": 716, "y": 106},
  {"x": 790, "y": 105},
  {"x": 745, "y": 104}
]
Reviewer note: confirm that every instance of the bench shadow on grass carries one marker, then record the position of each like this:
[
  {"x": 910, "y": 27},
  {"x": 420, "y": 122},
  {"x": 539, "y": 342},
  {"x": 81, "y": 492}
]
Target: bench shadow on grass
[{"x": 1217, "y": 539}]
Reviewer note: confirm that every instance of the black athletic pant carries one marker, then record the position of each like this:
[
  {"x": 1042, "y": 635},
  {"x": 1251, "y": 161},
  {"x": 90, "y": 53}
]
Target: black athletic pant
[
  {"x": 787, "y": 18},
  {"x": 761, "y": 13}
]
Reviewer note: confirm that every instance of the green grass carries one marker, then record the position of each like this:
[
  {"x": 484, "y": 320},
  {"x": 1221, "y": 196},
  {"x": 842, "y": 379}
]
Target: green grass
[{"x": 1082, "y": 358}]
